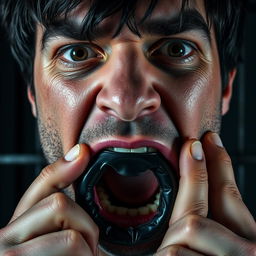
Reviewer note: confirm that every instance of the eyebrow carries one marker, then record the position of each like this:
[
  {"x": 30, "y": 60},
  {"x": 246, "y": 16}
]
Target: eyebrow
[{"x": 187, "y": 20}]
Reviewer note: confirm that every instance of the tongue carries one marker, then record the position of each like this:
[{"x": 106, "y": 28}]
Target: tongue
[{"x": 135, "y": 190}]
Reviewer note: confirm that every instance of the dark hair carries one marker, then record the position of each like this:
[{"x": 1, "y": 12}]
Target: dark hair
[{"x": 21, "y": 16}]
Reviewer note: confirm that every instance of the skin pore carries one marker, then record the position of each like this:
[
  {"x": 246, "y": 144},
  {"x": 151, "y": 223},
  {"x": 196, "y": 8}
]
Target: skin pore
[
  {"x": 106, "y": 94},
  {"x": 155, "y": 90}
]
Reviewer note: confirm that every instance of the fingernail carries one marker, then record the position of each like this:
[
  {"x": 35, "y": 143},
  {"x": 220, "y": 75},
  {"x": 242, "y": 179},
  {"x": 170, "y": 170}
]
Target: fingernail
[
  {"x": 197, "y": 150},
  {"x": 73, "y": 153},
  {"x": 216, "y": 140}
]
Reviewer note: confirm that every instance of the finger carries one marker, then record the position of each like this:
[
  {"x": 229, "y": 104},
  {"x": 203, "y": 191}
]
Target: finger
[
  {"x": 226, "y": 203},
  {"x": 55, "y": 177},
  {"x": 175, "y": 250},
  {"x": 57, "y": 212},
  {"x": 63, "y": 243},
  {"x": 192, "y": 196},
  {"x": 205, "y": 236}
]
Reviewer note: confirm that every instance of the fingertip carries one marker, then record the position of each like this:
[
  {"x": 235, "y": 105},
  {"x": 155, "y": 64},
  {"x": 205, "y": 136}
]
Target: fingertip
[
  {"x": 185, "y": 149},
  {"x": 213, "y": 138},
  {"x": 193, "y": 150},
  {"x": 214, "y": 148},
  {"x": 82, "y": 160},
  {"x": 193, "y": 185},
  {"x": 73, "y": 163},
  {"x": 192, "y": 157},
  {"x": 73, "y": 153},
  {"x": 84, "y": 152},
  {"x": 197, "y": 150},
  {"x": 79, "y": 151}
]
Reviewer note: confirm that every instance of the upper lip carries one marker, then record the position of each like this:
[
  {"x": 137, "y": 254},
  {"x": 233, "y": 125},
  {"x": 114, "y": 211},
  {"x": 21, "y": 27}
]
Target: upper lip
[{"x": 168, "y": 152}]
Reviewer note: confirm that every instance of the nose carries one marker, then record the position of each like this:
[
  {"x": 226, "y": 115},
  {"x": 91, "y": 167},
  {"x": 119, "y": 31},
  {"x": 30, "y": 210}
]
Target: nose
[{"x": 127, "y": 91}]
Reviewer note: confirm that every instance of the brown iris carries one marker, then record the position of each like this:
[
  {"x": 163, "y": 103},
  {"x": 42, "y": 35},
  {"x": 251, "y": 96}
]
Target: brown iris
[
  {"x": 79, "y": 54},
  {"x": 176, "y": 50}
]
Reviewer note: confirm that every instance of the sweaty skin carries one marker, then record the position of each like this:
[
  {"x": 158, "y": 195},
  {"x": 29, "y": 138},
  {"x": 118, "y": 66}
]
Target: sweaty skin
[
  {"x": 131, "y": 91},
  {"x": 116, "y": 101}
]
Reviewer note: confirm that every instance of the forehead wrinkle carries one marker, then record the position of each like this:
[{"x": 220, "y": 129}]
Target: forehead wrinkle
[
  {"x": 73, "y": 30},
  {"x": 188, "y": 19},
  {"x": 74, "y": 27}
]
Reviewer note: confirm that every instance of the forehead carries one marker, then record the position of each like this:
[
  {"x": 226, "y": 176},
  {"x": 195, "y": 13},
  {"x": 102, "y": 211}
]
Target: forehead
[
  {"x": 169, "y": 7},
  {"x": 93, "y": 20},
  {"x": 163, "y": 9}
]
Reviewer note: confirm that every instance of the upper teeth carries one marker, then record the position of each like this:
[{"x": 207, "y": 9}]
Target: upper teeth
[{"x": 133, "y": 150}]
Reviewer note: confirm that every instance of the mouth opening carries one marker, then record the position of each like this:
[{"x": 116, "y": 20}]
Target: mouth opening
[
  {"x": 129, "y": 195},
  {"x": 127, "y": 201}
]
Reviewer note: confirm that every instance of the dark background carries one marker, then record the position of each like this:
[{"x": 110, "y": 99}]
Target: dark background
[{"x": 20, "y": 151}]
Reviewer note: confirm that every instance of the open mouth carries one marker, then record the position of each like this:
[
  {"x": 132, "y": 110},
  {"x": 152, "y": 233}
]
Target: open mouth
[
  {"x": 128, "y": 201},
  {"x": 129, "y": 193}
]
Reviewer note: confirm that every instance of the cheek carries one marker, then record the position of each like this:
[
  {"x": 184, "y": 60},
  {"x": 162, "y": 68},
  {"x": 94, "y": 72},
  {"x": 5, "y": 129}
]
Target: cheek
[
  {"x": 63, "y": 105},
  {"x": 193, "y": 102}
]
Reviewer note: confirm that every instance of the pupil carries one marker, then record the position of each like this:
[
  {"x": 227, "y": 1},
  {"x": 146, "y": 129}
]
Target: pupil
[
  {"x": 176, "y": 50},
  {"x": 79, "y": 54}
]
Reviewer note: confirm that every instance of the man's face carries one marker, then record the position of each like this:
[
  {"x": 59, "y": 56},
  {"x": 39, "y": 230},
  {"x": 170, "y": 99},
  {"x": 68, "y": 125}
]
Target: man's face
[{"x": 156, "y": 90}]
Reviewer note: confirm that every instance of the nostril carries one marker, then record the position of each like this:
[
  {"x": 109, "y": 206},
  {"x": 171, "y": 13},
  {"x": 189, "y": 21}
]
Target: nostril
[
  {"x": 104, "y": 108},
  {"x": 151, "y": 109},
  {"x": 129, "y": 109},
  {"x": 108, "y": 110},
  {"x": 128, "y": 103},
  {"x": 151, "y": 103}
]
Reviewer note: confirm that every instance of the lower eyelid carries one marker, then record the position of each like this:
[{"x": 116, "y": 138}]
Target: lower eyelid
[
  {"x": 178, "y": 60},
  {"x": 177, "y": 65},
  {"x": 79, "y": 65},
  {"x": 187, "y": 60}
]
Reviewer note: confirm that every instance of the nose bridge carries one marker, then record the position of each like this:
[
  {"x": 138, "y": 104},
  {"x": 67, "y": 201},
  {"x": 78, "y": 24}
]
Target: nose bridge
[
  {"x": 125, "y": 75},
  {"x": 127, "y": 92}
]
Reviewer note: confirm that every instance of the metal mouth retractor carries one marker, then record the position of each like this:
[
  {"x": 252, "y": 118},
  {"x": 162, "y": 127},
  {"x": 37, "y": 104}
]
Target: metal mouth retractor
[{"x": 129, "y": 164}]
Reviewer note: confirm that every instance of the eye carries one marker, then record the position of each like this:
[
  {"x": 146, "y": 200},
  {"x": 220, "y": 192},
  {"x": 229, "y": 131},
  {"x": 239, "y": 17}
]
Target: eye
[
  {"x": 178, "y": 49},
  {"x": 78, "y": 53},
  {"x": 175, "y": 55},
  {"x": 174, "y": 49}
]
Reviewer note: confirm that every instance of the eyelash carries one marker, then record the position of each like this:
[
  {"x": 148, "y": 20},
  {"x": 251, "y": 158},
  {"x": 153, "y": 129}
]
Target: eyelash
[
  {"x": 94, "y": 54},
  {"x": 157, "y": 53}
]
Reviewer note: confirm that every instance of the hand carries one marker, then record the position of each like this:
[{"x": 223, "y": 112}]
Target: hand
[
  {"x": 207, "y": 181},
  {"x": 47, "y": 222}
]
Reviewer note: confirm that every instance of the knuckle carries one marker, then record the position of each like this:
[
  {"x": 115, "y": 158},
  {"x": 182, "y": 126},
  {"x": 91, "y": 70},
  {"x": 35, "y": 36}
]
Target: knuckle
[
  {"x": 173, "y": 250},
  {"x": 230, "y": 187},
  {"x": 59, "y": 202},
  {"x": 74, "y": 241},
  {"x": 200, "y": 176},
  {"x": 46, "y": 173},
  {"x": 193, "y": 225},
  {"x": 224, "y": 157},
  {"x": 200, "y": 208}
]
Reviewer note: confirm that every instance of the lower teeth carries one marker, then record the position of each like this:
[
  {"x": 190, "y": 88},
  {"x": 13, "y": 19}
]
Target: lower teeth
[{"x": 107, "y": 205}]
